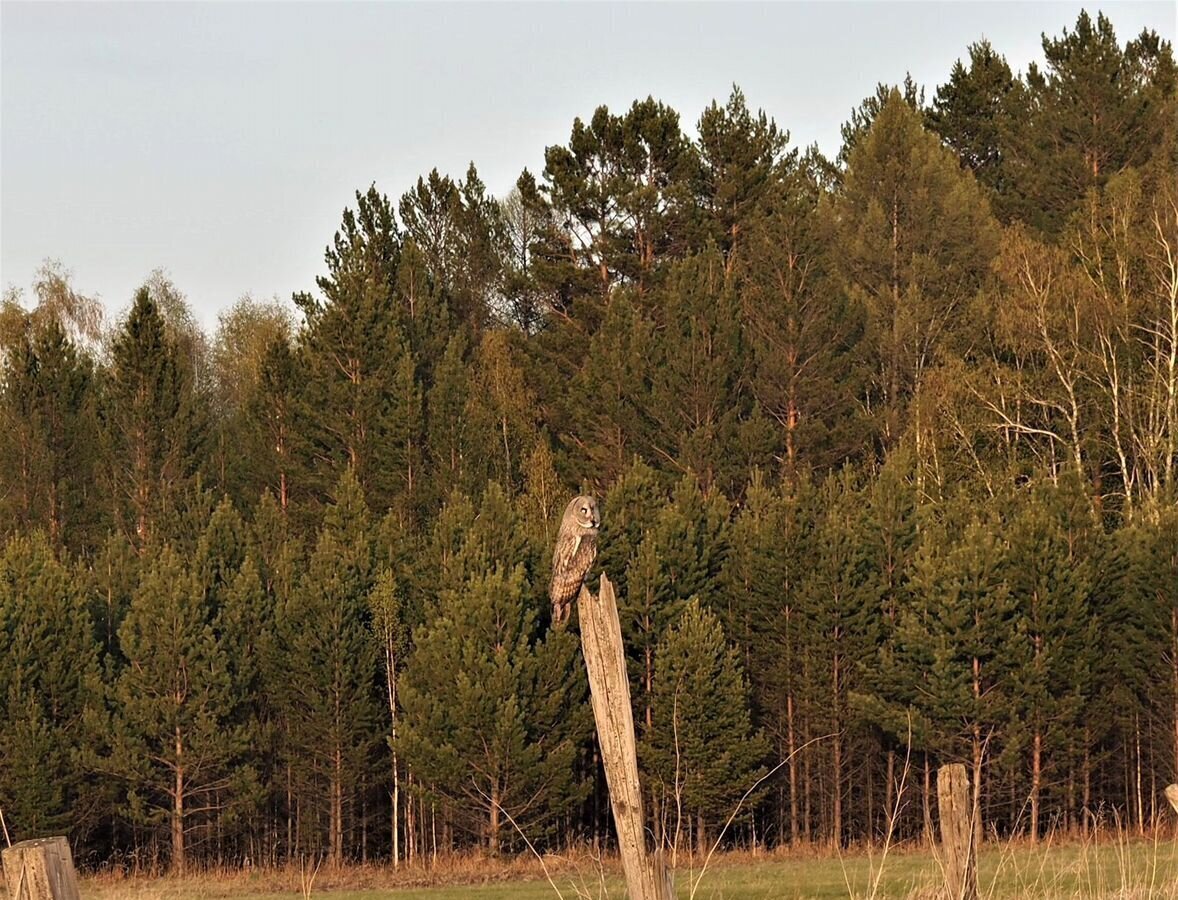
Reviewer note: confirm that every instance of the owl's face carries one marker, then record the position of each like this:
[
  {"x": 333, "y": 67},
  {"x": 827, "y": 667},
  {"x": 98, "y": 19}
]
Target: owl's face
[{"x": 582, "y": 512}]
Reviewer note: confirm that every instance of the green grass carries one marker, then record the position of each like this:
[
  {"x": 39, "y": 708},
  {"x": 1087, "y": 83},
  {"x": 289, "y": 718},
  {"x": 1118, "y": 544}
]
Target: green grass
[{"x": 1138, "y": 870}]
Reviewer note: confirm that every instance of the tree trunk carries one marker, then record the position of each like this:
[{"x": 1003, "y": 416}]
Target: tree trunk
[
  {"x": 178, "y": 809},
  {"x": 927, "y": 802},
  {"x": 336, "y": 826},
  {"x": 976, "y": 810},
  {"x": 493, "y": 821},
  {"x": 836, "y": 762},
  {"x": 1036, "y": 782},
  {"x": 890, "y": 787},
  {"x": 1137, "y": 774},
  {"x": 793, "y": 768}
]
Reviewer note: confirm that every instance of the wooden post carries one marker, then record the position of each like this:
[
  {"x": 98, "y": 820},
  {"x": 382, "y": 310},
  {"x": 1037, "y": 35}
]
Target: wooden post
[
  {"x": 646, "y": 873},
  {"x": 40, "y": 870},
  {"x": 955, "y": 812}
]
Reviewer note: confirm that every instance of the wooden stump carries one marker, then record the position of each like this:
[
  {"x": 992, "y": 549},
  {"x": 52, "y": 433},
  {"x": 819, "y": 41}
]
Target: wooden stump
[
  {"x": 956, "y": 815},
  {"x": 40, "y": 870},
  {"x": 646, "y": 873}
]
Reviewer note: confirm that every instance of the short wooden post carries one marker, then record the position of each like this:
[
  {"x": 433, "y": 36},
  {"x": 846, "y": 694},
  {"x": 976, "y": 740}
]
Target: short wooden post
[
  {"x": 955, "y": 812},
  {"x": 40, "y": 870},
  {"x": 646, "y": 873}
]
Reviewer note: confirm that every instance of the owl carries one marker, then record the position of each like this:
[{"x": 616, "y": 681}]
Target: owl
[{"x": 576, "y": 548}]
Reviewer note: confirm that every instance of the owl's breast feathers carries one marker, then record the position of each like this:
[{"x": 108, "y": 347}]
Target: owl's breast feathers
[{"x": 574, "y": 555}]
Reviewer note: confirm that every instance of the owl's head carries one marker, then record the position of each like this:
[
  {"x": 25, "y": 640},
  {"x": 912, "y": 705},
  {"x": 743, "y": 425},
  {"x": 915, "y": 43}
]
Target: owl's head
[{"x": 582, "y": 513}]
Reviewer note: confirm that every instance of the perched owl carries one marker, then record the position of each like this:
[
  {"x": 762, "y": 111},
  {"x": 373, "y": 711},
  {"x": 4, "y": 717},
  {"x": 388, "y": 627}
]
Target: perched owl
[{"x": 576, "y": 548}]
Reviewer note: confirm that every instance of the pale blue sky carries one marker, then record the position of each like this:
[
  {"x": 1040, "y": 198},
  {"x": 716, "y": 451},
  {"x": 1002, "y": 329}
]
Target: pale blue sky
[{"x": 221, "y": 141}]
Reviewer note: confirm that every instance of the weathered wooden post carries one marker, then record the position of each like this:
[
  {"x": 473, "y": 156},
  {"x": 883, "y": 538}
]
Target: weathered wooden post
[
  {"x": 957, "y": 832},
  {"x": 40, "y": 870},
  {"x": 646, "y": 873}
]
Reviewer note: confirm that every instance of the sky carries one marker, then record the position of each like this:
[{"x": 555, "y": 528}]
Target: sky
[{"x": 221, "y": 141}]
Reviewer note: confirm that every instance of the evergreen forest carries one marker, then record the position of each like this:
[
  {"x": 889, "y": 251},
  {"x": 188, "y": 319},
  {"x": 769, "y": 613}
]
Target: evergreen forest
[{"x": 886, "y": 447}]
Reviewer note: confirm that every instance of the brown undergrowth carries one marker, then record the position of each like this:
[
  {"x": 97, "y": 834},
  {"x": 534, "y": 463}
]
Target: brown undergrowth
[{"x": 582, "y": 864}]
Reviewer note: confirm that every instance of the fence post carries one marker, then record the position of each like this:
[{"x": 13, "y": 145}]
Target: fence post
[
  {"x": 957, "y": 833},
  {"x": 646, "y": 873},
  {"x": 42, "y": 869}
]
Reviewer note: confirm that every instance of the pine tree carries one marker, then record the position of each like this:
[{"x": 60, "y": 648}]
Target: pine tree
[
  {"x": 742, "y": 158},
  {"x": 679, "y": 557},
  {"x": 459, "y": 231},
  {"x": 494, "y": 715},
  {"x": 960, "y": 632},
  {"x": 620, "y": 184},
  {"x": 1097, "y": 108},
  {"x": 803, "y": 336},
  {"x": 49, "y": 690},
  {"x": 48, "y": 439},
  {"x": 219, "y": 554},
  {"x": 600, "y": 411},
  {"x": 272, "y": 411},
  {"x": 447, "y": 435},
  {"x": 329, "y": 697},
  {"x": 172, "y": 739},
  {"x": 152, "y": 423},
  {"x": 972, "y": 111},
  {"x": 770, "y": 542},
  {"x": 630, "y": 507},
  {"x": 698, "y": 371},
  {"x": 701, "y": 747},
  {"x": 1050, "y": 588},
  {"x": 840, "y": 623},
  {"x": 360, "y": 403},
  {"x": 244, "y": 626},
  {"x": 915, "y": 241}
]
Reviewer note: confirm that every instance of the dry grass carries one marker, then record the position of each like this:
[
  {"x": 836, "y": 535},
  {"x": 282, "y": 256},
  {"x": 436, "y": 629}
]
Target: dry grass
[{"x": 1114, "y": 867}]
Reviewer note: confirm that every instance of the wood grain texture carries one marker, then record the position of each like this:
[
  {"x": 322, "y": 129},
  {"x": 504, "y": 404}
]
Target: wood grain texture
[
  {"x": 646, "y": 873},
  {"x": 955, "y": 811},
  {"x": 40, "y": 870}
]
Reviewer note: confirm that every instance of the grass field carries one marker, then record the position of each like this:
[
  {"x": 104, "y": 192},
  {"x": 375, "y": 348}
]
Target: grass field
[{"x": 1140, "y": 869}]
